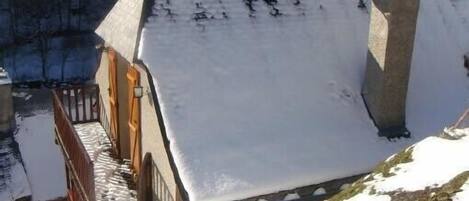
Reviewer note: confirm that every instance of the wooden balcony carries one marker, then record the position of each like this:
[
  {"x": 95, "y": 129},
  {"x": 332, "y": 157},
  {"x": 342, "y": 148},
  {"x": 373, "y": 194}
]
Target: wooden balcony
[{"x": 95, "y": 172}]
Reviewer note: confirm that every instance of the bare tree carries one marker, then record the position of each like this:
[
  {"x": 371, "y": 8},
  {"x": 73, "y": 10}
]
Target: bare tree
[{"x": 40, "y": 21}]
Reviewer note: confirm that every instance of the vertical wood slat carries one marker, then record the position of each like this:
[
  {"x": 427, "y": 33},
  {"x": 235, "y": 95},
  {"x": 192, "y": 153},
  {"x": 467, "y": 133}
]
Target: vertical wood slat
[
  {"x": 98, "y": 105},
  {"x": 69, "y": 103},
  {"x": 83, "y": 98},
  {"x": 77, "y": 114},
  {"x": 160, "y": 188},
  {"x": 88, "y": 112},
  {"x": 91, "y": 107}
]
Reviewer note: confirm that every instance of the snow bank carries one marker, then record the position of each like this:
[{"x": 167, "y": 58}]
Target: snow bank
[
  {"x": 435, "y": 156},
  {"x": 255, "y": 105}
]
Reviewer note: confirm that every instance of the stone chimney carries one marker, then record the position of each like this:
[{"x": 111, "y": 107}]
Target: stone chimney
[
  {"x": 390, "y": 46},
  {"x": 6, "y": 103}
]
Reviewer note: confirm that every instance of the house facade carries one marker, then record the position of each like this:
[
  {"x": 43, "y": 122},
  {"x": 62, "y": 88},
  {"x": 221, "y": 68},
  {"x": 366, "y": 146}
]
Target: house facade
[{"x": 148, "y": 138}]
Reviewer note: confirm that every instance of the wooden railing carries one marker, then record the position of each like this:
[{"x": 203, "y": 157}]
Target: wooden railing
[
  {"x": 160, "y": 188},
  {"x": 74, "y": 112},
  {"x": 81, "y": 104},
  {"x": 463, "y": 121}
]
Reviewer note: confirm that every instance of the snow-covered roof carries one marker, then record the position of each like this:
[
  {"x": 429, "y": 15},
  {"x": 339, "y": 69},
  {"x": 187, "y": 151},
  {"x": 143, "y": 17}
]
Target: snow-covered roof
[
  {"x": 120, "y": 28},
  {"x": 255, "y": 103}
]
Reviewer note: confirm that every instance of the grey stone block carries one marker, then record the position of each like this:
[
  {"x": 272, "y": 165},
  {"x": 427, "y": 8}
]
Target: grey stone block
[{"x": 391, "y": 42}]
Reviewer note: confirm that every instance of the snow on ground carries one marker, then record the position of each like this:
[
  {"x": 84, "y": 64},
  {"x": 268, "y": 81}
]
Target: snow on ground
[
  {"x": 112, "y": 178},
  {"x": 282, "y": 94},
  {"x": 464, "y": 194},
  {"x": 435, "y": 161},
  {"x": 292, "y": 196},
  {"x": 435, "y": 156},
  {"x": 14, "y": 183},
  {"x": 42, "y": 158},
  {"x": 368, "y": 197}
]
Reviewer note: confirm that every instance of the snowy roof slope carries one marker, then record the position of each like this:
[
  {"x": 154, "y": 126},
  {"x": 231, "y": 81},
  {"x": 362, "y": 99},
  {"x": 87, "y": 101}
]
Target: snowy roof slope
[
  {"x": 120, "y": 27},
  {"x": 253, "y": 105}
]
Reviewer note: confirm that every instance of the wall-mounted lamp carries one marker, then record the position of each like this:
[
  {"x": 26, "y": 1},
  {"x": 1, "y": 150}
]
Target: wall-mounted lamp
[{"x": 138, "y": 92}]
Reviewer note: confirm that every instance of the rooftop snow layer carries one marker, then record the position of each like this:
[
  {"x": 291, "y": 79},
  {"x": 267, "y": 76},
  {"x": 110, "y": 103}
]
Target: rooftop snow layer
[{"x": 254, "y": 104}]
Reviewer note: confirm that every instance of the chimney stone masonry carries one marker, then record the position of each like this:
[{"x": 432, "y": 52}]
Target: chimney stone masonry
[{"x": 390, "y": 47}]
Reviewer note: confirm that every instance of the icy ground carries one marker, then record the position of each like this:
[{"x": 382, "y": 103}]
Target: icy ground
[
  {"x": 113, "y": 179},
  {"x": 13, "y": 180},
  {"x": 42, "y": 158},
  {"x": 254, "y": 104}
]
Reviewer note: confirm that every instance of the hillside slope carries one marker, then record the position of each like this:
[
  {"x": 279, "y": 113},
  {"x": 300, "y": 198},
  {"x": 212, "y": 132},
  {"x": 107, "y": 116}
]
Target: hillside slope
[{"x": 432, "y": 169}]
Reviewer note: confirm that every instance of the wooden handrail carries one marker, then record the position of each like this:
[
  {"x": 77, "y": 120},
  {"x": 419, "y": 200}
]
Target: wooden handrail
[
  {"x": 464, "y": 117},
  {"x": 81, "y": 104},
  {"x": 81, "y": 164},
  {"x": 160, "y": 187}
]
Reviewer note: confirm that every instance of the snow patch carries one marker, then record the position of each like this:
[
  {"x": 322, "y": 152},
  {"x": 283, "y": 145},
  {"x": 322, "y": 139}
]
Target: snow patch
[
  {"x": 366, "y": 196},
  {"x": 292, "y": 196},
  {"x": 319, "y": 191},
  {"x": 434, "y": 156},
  {"x": 463, "y": 195}
]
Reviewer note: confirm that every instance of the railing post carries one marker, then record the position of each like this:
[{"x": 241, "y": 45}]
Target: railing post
[
  {"x": 69, "y": 103},
  {"x": 98, "y": 104},
  {"x": 83, "y": 98},
  {"x": 77, "y": 114}
]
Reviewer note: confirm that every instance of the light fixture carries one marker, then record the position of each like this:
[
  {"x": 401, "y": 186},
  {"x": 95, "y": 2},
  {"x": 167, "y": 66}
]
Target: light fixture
[{"x": 138, "y": 91}]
